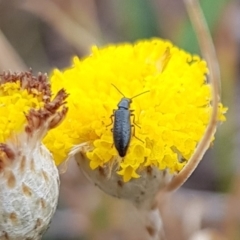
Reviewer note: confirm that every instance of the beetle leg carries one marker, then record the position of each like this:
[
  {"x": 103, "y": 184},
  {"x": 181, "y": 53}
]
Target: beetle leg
[
  {"x": 134, "y": 119},
  {"x": 133, "y": 126},
  {"x": 111, "y": 117}
]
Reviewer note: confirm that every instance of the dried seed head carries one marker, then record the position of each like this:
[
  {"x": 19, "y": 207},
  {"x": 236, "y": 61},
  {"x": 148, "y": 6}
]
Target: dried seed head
[{"x": 29, "y": 190}]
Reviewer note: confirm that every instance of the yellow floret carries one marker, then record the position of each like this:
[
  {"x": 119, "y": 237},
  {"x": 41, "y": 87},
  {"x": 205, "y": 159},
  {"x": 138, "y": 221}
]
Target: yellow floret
[
  {"x": 15, "y": 102},
  {"x": 172, "y": 116}
]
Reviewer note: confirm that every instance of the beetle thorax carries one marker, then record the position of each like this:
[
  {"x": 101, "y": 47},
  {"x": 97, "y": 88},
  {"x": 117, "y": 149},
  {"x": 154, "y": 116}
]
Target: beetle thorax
[{"x": 125, "y": 103}]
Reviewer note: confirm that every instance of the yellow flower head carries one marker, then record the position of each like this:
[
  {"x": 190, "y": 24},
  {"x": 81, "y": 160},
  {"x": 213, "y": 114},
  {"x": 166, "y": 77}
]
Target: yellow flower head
[{"x": 167, "y": 121}]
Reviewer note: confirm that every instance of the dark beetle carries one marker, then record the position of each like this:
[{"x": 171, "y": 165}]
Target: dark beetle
[{"x": 122, "y": 126}]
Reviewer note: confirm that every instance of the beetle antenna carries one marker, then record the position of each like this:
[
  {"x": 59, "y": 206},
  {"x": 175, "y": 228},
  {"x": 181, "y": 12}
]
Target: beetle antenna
[
  {"x": 118, "y": 90},
  {"x": 140, "y": 94}
]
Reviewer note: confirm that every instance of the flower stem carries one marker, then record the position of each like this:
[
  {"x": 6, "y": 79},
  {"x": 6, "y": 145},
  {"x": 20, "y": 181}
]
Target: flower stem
[
  {"x": 154, "y": 224},
  {"x": 208, "y": 51}
]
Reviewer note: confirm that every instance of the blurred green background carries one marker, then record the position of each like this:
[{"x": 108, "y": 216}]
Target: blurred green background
[{"x": 46, "y": 34}]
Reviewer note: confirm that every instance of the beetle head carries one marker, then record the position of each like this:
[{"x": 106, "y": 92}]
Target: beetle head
[{"x": 125, "y": 103}]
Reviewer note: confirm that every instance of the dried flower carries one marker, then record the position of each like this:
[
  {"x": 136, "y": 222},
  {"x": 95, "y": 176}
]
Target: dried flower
[{"x": 28, "y": 175}]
